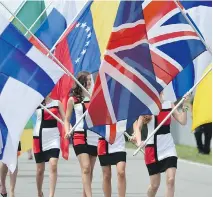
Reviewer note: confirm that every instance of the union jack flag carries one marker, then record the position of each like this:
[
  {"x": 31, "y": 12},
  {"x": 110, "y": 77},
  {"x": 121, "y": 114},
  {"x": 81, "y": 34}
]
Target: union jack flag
[{"x": 151, "y": 43}]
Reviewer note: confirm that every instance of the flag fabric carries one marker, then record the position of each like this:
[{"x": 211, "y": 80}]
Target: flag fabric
[
  {"x": 14, "y": 7},
  {"x": 202, "y": 105},
  {"x": 61, "y": 13},
  {"x": 26, "y": 78},
  {"x": 198, "y": 12},
  {"x": 84, "y": 42},
  {"x": 28, "y": 14},
  {"x": 133, "y": 72}
]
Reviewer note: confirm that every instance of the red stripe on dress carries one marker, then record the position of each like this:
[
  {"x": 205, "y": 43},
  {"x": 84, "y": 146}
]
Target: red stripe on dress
[
  {"x": 162, "y": 115},
  {"x": 78, "y": 139},
  {"x": 36, "y": 145},
  {"x": 47, "y": 116},
  {"x": 102, "y": 147},
  {"x": 134, "y": 78},
  {"x": 150, "y": 155}
]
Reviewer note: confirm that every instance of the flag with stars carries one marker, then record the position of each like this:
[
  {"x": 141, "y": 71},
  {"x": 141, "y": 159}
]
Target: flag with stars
[
  {"x": 86, "y": 39},
  {"x": 82, "y": 47}
]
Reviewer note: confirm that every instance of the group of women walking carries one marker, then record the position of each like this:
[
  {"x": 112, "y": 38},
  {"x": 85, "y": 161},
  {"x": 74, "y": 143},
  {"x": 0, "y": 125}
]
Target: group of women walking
[{"x": 160, "y": 153}]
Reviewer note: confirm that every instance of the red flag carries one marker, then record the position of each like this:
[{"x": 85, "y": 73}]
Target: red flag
[{"x": 62, "y": 89}]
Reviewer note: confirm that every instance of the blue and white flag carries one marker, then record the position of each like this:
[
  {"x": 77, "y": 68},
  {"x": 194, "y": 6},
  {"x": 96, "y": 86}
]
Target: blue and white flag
[
  {"x": 26, "y": 78},
  {"x": 200, "y": 13}
]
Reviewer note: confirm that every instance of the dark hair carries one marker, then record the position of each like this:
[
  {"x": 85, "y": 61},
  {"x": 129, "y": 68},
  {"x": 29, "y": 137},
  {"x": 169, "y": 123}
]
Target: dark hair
[{"x": 77, "y": 91}]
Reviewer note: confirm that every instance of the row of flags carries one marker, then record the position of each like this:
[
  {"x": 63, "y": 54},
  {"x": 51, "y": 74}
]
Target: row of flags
[
  {"x": 137, "y": 50},
  {"x": 148, "y": 48},
  {"x": 26, "y": 78}
]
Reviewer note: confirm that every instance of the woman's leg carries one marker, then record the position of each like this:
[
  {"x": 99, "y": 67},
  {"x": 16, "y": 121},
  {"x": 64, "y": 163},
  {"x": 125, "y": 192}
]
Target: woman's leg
[
  {"x": 13, "y": 177},
  {"x": 121, "y": 173},
  {"x": 92, "y": 162},
  {"x": 154, "y": 185},
  {"x": 40, "y": 177},
  {"x": 3, "y": 175},
  {"x": 84, "y": 160},
  {"x": 53, "y": 175},
  {"x": 170, "y": 182},
  {"x": 107, "y": 175}
]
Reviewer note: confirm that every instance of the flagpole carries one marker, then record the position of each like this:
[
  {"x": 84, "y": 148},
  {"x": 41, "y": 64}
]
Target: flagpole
[
  {"x": 191, "y": 24},
  {"x": 19, "y": 8},
  {"x": 38, "y": 18},
  {"x": 84, "y": 7},
  {"x": 56, "y": 59},
  {"x": 165, "y": 119}
]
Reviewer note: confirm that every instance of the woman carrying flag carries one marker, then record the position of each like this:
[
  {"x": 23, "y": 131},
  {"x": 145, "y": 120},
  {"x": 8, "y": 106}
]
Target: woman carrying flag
[
  {"x": 160, "y": 152},
  {"x": 113, "y": 154},
  {"x": 84, "y": 141},
  {"x": 46, "y": 142}
]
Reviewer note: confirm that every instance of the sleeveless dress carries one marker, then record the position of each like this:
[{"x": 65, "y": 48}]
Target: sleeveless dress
[
  {"x": 84, "y": 141},
  {"x": 160, "y": 152},
  {"x": 46, "y": 136},
  {"x": 111, "y": 154}
]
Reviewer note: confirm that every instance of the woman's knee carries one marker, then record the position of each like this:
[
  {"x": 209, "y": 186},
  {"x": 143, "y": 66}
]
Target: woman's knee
[
  {"x": 86, "y": 169},
  {"x": 40, "y": 170},
  {"x": 53, "y": 167},
  {"x": 155, "y": 182},
  {"x": 154, "y": 186},
  {"x": 121, "y": 173},
  {"x": 170, "y": 181},
  {"x": 107, "y": 175}
]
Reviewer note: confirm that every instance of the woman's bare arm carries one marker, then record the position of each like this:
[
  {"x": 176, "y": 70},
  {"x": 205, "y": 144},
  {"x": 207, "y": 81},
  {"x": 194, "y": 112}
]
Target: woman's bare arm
[{"x": 68, "y": 115}]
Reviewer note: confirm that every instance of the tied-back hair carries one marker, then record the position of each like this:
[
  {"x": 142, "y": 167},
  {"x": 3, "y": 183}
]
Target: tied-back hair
[{"x": 77, "y": 91}]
